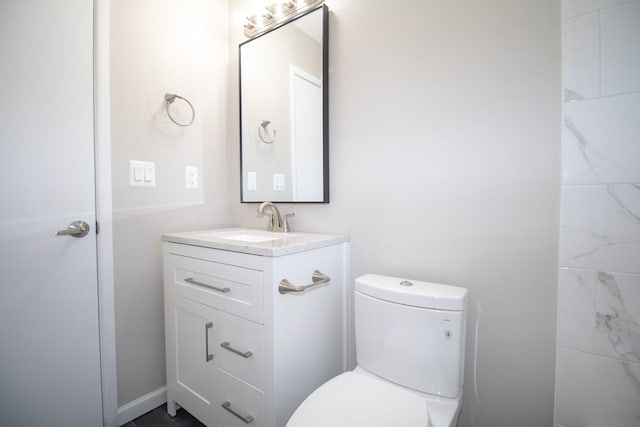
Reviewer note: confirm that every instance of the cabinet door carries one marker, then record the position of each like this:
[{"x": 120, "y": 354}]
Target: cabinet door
[{"x": 193, "y": 359}]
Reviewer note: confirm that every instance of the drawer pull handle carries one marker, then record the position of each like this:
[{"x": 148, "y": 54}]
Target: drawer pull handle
[
  {"x": 317, "y": 279},
  {"x": 215, "y": 288},
  {"x": 207, "y": 326},
  {"x": 247, "y": 419},
  {"x": 245, "y": 354}
]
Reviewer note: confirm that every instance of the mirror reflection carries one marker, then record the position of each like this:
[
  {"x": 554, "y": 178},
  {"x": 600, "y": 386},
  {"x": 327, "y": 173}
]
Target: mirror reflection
[{"x": 283, "y": 120}]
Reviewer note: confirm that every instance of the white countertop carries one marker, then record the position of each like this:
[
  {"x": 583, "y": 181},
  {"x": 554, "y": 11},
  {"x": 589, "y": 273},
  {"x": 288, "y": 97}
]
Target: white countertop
[{"x": 254, "y": 241}]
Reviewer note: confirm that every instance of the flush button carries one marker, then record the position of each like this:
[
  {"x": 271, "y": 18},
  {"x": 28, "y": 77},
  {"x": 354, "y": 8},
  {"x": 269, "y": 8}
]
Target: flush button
[{"x": 406, "y": 283}]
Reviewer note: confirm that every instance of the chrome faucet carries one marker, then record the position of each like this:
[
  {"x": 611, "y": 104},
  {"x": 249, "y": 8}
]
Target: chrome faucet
[{"x": 276, "y": 222}]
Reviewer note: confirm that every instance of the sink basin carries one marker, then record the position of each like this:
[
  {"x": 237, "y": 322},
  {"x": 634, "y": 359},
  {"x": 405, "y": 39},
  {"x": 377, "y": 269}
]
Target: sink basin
[{"x": 250, "y": 236}]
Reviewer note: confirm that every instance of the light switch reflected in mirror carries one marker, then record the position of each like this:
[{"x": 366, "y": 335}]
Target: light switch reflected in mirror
[{"x": 283, "y": 113}]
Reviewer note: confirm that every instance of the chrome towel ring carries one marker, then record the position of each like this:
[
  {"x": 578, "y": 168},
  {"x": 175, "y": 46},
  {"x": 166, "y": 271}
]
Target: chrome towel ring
[
  {"x": 263, "y": 132},
  {"x": 169, "y": 98}
]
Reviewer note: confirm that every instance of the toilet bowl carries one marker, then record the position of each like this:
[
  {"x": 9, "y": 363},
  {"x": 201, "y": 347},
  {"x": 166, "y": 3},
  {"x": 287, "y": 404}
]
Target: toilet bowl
[{"x": 410, "y": 338}]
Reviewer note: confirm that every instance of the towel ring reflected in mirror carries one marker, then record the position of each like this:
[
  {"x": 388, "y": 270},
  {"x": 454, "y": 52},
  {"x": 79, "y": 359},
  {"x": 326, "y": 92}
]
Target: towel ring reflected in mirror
[
  {"x": 169, "y": 99},
  {"x": 264, "y": 134}
]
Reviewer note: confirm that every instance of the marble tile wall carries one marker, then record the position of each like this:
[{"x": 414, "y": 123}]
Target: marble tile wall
[{"x": 598, "y": 365}]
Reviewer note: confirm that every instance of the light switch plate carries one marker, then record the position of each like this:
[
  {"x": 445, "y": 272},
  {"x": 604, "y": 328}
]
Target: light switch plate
[
  {"x": 278, "y": 182},
  {"x": 142, "y": 174}
]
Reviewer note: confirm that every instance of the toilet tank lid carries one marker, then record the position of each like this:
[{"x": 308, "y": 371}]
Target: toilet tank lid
[{"x": 412, "y": 292}]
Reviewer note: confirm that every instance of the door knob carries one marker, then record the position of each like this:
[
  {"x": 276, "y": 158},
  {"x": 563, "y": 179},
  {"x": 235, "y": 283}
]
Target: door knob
[{"x": 75, "y": 229}]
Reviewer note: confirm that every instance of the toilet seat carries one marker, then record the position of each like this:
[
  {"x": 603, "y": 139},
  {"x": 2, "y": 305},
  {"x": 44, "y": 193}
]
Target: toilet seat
[{"x": 354, "y": 399}]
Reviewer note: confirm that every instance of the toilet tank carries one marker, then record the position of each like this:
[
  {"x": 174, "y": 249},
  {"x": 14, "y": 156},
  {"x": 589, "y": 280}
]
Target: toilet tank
[{"x": 411, "y": 333}]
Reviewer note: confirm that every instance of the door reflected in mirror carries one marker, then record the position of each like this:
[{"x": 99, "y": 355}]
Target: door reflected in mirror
[{"x": 283, "y": 113}]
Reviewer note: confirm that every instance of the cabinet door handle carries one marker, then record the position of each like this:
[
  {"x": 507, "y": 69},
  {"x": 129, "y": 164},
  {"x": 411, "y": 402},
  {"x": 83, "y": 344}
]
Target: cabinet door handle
[
  {"x": 247, "y": 418},
  {"x": 215, "y": 288},
  {"x": 317, "y": 279},
  {"x": 207, "y": 326},
  {"x": 245, "y": 354}
]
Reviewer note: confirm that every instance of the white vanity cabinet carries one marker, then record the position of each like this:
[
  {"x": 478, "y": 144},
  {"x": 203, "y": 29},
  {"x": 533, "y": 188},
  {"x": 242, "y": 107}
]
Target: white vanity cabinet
[{"x": 239, "y": 352}]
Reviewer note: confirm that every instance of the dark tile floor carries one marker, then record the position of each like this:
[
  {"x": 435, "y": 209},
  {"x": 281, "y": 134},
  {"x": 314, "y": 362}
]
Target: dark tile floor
[{"x": 160, "y": 418}]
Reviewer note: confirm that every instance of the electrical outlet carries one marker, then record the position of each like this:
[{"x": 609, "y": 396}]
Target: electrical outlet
[
  {"x": 278, "y": 182},
  {"x": 191, "y": 177}
]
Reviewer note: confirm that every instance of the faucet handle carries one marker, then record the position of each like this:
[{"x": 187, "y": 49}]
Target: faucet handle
[{"x": 285, "y": 222}]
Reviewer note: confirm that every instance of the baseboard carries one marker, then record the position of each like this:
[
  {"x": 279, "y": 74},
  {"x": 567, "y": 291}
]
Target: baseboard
[{"x": 141, "y": 405}]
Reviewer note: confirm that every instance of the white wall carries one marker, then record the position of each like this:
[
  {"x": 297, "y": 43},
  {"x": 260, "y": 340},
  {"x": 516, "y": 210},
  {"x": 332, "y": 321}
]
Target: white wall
[
  {"x": 598, "y": 368},
  {"x": 160, "y": 46},
  {"x": 444, "y": 163}
]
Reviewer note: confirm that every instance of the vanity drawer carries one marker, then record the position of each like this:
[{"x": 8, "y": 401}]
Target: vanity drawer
[
  {"x": 229, "y": 288},
  {"x": 241, "y": 348},
  {"x": 236, "y": 396}
]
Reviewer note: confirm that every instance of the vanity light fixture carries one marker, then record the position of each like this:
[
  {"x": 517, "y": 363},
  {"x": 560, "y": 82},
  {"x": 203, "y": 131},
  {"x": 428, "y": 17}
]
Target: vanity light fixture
[{"x": 276, "y": 15}]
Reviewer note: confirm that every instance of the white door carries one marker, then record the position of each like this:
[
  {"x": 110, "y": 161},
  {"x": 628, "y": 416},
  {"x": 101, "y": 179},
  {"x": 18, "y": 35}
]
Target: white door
[
  {"x": 306, "y": 137},
  {"x": 49, "y": 341}
]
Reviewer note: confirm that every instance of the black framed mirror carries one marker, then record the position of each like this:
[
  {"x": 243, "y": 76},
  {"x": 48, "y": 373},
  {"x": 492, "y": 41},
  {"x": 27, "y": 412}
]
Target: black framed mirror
[{"x": 284, "y": 123}]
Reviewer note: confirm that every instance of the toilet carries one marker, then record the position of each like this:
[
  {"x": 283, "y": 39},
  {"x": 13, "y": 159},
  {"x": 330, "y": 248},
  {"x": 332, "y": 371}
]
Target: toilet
[{"x": 410, "y": 340}]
